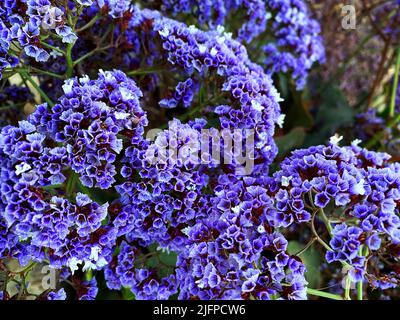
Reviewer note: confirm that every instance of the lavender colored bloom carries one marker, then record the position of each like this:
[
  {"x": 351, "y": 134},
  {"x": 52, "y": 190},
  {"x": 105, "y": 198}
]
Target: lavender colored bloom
[
  {"x": 169, "y": 194},
  {"x": 57, "y": 295},
  {"x": 296, "y": 44},
  {"x": 87, "y": 290},
  {"x": 128, "y": 270},
  {"x": 88, "y": 119},
  {"x": 294, "y": 29},
  {"x": 360, "y": 183},
  {"x": 24, "y": 21},
  {"x": 227, "y": 245}
]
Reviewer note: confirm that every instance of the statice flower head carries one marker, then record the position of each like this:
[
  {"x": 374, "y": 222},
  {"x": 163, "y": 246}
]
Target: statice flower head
[
  {"x": 24, "y": 21},
  {"x": 128, "y": 269},
  {"x": 215, "y": 13},
  {"x": 88, "y": 120},
  {"x": 57, "y": 295},
  {"x": 168, "y": 195},
  {"x": 71, "y": 230},
  {"x": 253, "y": 98},
  {"x": 234, "y": 253},
  {"x": 293, "y": 28},
  {"x": 360, "y": 184},
  {"x": 115, "y": 8},
  {"x": 37, "y": 220},
  {"x": 245, "y": 96},
  {"x": 296, "y": 44}
]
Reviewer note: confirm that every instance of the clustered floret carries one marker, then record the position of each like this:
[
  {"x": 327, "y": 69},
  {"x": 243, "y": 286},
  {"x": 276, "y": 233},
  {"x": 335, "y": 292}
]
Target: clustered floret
[
  {"x": 78, "y": 134},
  {"x": 362, "y": 183},
  {"x": 84, "y": 188},
  {"x": 233, "y": 253},
  {"x": 88, "y": 120},
  {"x": 128, "y": 269},
  {"x": 297, "y": 42}
]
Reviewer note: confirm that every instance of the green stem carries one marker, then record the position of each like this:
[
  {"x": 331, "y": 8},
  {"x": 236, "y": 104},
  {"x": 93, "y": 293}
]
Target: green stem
[
  {"x": 326, "y": 220},
  {"x": 308, "y": 245},
  {"x": 51, "y": 74},
  {"x": 145, "y": 71},
  {"x": 24, "y": 74},
  {"x": 71, "y": 183},
  {"x": 323, "y": 294},
  {"x": 89, "y": 54},
  {"x": 89, "y": 24},
  {"x": 363, "y": 252},
  {"x": 89, "y": 275},
  {"x": 317, "y": 237},
  {"x": 49, "y": 46},
  {"x": 395, "y": 84},
  {"x": 70, "y": 62},
  {"x": 347, "y": 288},
  {"x": 360, "y": 290}
]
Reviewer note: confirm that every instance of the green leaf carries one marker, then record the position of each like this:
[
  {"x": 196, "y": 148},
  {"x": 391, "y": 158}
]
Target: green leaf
[
  {"x": 290, "y": 141},
  {"x": 127, "y": 294},
  {"x": 311, "y": 259},
  {"x": 168, "y": 258},
  {"x": 333, "y": 112},
  {"x": 3, "y": 281}
]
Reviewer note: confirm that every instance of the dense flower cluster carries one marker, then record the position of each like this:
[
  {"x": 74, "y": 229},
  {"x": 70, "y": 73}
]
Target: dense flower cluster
[
  {"x": 293, "y": 29},
  {"x": 168, "y": 196},
  {"x": 213, "y": 13},
  {"x": 23, "y": 21},
  {"x": 234, "y": 253},
  {"x": 250, "y": 99},
  {"x": 359, "y": 182},
  {"x": 297, "y": 43},
  {"x": 253, "y": 99},
  {"x": 90, "y": 187},
  {"x": 87, "y": 121},
  {"x": 128, "y": 269}
]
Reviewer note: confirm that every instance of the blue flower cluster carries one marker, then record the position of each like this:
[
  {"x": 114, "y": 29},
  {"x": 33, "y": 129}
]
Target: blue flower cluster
[
  {"x": 169, "y": 194},
  {"x": 253, "y": 98},
  {"x": 21, "y": 24},
  {"x": 293, "y": 29},
  {"x": 361, "y": 183},
  {"x": 128, "y": 269},
  {"x": 81, "y": 133},
  {"x": 25, "y": 24},
  {"x": 234, "y": 253},
  {"x": 297, "y": 43},
  {"x": 213, "y": 13},
  {"x": 182, "y": 95},
  {"x": 250, "y": 101},
  {"x": 87, "y": 183},
  {"x": 88, "y": 120}
]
